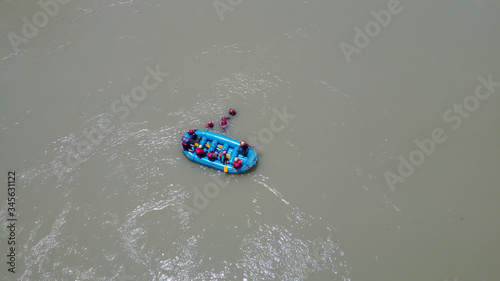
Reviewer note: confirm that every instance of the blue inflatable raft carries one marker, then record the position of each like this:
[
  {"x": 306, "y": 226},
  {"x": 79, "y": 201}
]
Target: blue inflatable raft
[{"x": 211, "y": 141}]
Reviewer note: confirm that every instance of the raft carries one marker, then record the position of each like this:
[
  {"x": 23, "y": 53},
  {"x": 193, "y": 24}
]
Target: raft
[{"x": 210, "y": 141}]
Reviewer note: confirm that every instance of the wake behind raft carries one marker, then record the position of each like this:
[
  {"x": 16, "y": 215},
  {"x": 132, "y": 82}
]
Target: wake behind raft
[{"x": 215, "y": 142}]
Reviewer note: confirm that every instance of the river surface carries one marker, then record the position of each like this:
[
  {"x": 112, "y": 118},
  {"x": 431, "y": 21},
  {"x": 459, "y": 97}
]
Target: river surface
[{"x": 375, "y": 122}]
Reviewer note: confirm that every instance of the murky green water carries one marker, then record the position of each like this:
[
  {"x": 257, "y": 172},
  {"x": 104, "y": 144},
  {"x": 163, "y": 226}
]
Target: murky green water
[{"x": 377, "y": 123}]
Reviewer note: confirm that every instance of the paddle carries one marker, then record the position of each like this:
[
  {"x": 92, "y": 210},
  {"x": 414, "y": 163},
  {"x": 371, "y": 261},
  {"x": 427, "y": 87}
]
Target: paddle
[{"x": 225, "y": 167}]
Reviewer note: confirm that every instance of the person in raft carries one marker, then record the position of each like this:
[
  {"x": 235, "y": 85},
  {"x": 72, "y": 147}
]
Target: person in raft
[
  {"x": 200, "y": 151},
  {"x": 193, "y": 136},
  {"x": 209, "y": 125},
  {"x": 223, "y": 123},
  {"x": 187, "y": 144},
  {"x": 232, "y": 112},
  {"x": 237, "y": 163},
  {"x": 243, "y": 149},
  {"x": 212, "y": 155},
  {"x": 223, "y": 157}
]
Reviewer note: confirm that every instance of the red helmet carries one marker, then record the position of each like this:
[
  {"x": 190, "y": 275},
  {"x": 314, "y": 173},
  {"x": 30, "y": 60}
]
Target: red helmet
[
  {"x": 209, "y": 125},
  {"x": 224, "y": 118},
  {"x": 232, "y": 111},
  {"x": 191, "y": 132}
]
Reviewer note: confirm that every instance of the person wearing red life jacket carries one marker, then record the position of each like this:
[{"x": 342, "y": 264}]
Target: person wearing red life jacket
[
  {"x": 237, "y": 163},
  {"x": 232, "y": 112},
  {"x": 200, "y": 151},
  {"x": 212, "y": 155},
  {"x": 187, "y": 144},
  {"x": 224, "y": 123},
  {"x": 193, "y": 136},
  {"x": 209, "y": 125},
  {"x": 223, "y": 157}
]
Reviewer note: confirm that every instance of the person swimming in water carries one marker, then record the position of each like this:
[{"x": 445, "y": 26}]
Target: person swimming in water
[
  {"x": 210, "y": 125},
  {"x": 224, "y": 124}
]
